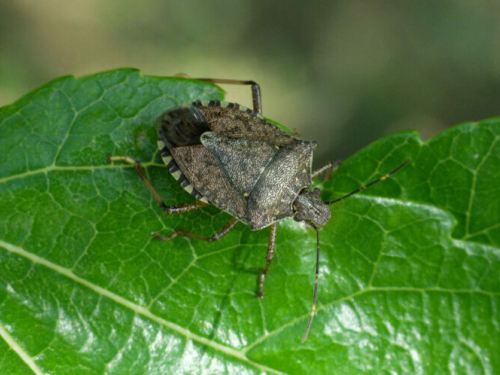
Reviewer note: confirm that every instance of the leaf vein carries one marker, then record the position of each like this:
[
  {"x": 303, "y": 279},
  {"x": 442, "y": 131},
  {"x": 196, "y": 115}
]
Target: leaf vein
[{"x": 141, "y": 310}]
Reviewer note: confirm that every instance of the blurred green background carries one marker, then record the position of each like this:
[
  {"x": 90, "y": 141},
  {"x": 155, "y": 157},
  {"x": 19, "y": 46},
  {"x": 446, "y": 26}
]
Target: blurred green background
[{"x": 343, "y": 73}]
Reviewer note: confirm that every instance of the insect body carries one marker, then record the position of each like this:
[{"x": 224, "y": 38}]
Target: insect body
[
  {"x": 235, "y": 160},
  {"x": 229, "y": 156}
]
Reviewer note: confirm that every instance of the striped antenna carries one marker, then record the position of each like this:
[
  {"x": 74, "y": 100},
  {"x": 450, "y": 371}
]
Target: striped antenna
[
  {"x": 370, "y": 184},
  {"x": 313, "y": 310}
]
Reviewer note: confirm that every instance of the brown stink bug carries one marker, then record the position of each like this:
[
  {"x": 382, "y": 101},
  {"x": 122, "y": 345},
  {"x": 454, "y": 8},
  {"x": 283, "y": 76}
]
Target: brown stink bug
[{"x": 229, "y": 156}]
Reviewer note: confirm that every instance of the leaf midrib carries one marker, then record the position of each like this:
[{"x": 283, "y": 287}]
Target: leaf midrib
[
  {"x": 136, "y": 308},
  {"x": 238, "y": 354}
]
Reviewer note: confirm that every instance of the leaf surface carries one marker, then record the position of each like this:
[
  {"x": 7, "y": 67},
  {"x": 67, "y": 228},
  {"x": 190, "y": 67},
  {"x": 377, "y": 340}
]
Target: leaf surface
[{"x": 409, "y": 280}]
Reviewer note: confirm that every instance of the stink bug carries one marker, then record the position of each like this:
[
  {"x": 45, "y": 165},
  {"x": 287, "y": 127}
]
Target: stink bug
[{"x": 229, "y": 156}]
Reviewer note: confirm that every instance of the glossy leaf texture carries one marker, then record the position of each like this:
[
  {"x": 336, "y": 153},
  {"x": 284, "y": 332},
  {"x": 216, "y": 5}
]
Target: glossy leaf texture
[{"x": 410, "y": 270}]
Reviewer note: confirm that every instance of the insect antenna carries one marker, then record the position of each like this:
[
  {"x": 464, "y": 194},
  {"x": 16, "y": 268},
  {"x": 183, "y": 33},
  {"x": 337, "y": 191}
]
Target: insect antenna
[
  {"x": 313, "y": 310},
  {"x": 370, "y": 184}
]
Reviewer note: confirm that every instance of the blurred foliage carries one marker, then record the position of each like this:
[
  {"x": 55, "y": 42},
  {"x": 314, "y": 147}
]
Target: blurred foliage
[{"x": 341, "y": 72}]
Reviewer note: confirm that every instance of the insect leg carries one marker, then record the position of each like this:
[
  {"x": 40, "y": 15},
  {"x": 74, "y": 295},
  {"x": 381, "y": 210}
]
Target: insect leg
[
  {"x": 181, "y": 208},
  {"x": 269, "y": 257},
  {"x": 142, "y": 173},
  {"x": 216, "y": 236},
  {"x": 330, "y": 167},
  {"x": 256, "y": 95}
]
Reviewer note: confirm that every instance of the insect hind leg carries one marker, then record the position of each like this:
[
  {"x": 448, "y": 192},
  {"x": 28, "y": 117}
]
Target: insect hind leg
[
  {"x": 215, "y": 237},
  {"x": 256, "y": 94}
]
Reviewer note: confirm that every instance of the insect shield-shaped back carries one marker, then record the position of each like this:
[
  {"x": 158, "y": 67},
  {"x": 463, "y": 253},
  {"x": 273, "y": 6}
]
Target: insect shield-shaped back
[
  {"x": 309, "y": 207},
  {"x": 236, "y": 160}
]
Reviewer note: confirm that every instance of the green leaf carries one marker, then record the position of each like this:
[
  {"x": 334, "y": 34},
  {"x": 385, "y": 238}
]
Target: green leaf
[{"x": 409, "y": 272}]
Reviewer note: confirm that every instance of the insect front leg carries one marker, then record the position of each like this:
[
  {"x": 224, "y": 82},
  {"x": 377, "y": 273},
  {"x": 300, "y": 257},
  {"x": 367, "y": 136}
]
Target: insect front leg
[
  {"x": 328, "y": 167},
  {"x": 269, "y": 258},
  {"x": 215, "y": 237},
  {"x": 176, "y": 209}
]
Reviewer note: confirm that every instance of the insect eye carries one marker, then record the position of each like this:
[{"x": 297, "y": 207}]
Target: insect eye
[
  {"x": 299, "y": 216},
  {"x": 316, "y": 192}
]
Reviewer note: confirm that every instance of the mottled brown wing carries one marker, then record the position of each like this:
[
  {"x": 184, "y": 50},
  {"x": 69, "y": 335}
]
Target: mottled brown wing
[
  {"x": 235, "y": 121},
  {"x": 286, "y": 175},
  {"x": 204, "y": 171},
  {"x": 243, "y": 159}
]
